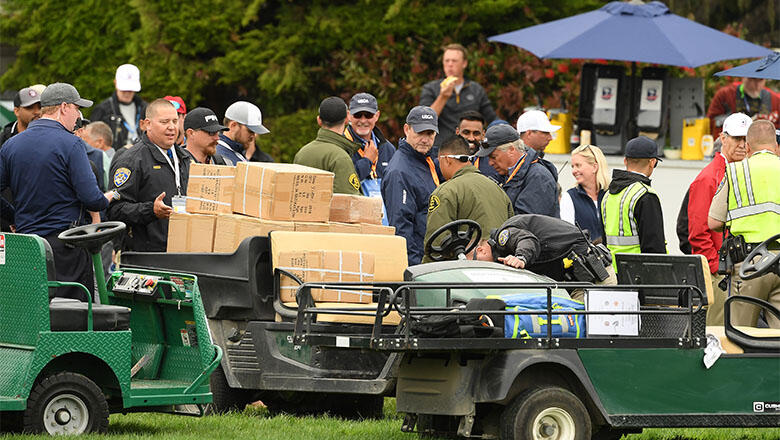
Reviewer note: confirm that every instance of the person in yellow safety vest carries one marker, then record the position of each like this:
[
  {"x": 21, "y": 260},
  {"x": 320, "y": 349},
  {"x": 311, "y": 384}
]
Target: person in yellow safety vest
[
  {"x": 631, "y": 210},
  {"x": 748, "y": 201}
]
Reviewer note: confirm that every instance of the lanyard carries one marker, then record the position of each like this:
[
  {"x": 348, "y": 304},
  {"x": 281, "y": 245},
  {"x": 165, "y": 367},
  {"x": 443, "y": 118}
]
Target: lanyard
[
  {"x": 433, "y": 170},
  {"x": 476, "y": 163},
  {"x": 174, "y": 166},
  {"x": 517, "y": 167},
  {"x": 361, "y": 151}
]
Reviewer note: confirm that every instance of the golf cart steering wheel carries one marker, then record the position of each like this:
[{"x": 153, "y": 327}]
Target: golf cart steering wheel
[
  {"x": 457, "y": 243},
  {"x": 767, "y": 263},
  {"x": 92, "y": 237}
]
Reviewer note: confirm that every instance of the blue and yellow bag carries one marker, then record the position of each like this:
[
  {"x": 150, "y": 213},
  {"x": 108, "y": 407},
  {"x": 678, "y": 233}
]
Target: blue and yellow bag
[{"x": 535, "y": 326}]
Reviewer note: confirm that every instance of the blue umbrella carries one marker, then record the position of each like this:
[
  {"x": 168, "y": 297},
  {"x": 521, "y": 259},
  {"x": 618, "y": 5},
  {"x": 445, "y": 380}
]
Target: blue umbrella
[
  {"x": 766, "y": 68},
  {"x": 646, "y": 33}
]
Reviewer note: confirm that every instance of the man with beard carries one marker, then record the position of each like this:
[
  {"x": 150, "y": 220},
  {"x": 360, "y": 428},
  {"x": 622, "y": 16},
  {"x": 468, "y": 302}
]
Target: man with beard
[
  {"x": 148, "y": 179},
  {"x": 202, "y": 129},
  {"x": 27, "y": 108}
]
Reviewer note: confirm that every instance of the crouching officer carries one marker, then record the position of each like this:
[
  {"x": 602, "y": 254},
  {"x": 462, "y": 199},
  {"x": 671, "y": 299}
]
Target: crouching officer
[
  {"x": 548, "y": 246},
  {"x": 747, "y": 201},
  {"x": 149, "y": 180},
  {"x": 467, "y": 194}
]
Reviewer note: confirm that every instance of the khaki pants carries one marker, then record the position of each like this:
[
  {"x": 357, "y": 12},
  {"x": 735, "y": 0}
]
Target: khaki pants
[
  {"x": 715, "y": 308},
  {"x": 611, "y": 280},
  {"x": 766, "y": 287}
]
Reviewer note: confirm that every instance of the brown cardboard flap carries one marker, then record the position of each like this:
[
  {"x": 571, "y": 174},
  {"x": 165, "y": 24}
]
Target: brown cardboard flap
[
  {"x": 191, "y": 232},
  {"x": 347, "y": 208},
  {"x": 231, "y": 229},
  {"x": 210, "y": 189}
]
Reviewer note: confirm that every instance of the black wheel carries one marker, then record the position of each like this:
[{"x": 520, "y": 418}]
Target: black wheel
[
  {"x": 225, "y": 397},
  {"x": 66, "y": 403},
  {"x": 458, "y": 241},
  {"x": 545, "y": 413},
  {"x": 768, "y": 261}
]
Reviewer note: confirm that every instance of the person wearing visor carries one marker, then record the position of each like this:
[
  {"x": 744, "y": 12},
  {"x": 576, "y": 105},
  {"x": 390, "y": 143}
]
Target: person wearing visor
[
  {"x": 528, "y": 184},
  {"x": 631, "y": 210},
  {"x": 202, "y": 130},
  {"x": 181, "y": 109},
  {"x": 410, "y": 179},
  {"x": 47, "y": 170},
  {"x": 466, "y": 194},
  {"x": 548, "y": 246},
  {"x": 244, "y": 122}
]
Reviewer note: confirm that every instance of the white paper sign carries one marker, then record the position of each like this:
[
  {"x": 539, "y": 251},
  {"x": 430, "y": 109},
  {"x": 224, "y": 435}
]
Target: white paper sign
[
  {"x": 2, "y": 248},
  {"x": 606, "y": 94},
  {"x": 652, "y": 91},
  {"x": 612, "y": 301}
]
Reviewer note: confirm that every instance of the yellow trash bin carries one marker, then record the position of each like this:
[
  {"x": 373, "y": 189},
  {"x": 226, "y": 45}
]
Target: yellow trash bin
[
  {"x": 561, "y": 143},
  {"x": 693, "y": 130}
]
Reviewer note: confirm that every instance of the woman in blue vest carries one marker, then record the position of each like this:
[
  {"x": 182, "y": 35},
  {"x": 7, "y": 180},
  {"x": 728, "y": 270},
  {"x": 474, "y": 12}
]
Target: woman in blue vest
[{"x": 580, "y": 205}]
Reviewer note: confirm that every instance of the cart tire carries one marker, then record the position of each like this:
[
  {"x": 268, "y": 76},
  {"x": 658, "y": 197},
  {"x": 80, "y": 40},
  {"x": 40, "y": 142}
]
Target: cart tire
[
  {"x": 546, "y": 413},
  {"x": 66, "y": 403},
  {"x": 224, "y": 397}
]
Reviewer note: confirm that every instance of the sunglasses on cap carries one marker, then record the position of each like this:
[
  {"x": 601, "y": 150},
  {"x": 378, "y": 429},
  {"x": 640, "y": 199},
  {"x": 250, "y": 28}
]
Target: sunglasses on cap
[
  {"x": 176, "y": 105},
  {"x": 363, "y": 115},
  {"x": 460, "y": 157}
]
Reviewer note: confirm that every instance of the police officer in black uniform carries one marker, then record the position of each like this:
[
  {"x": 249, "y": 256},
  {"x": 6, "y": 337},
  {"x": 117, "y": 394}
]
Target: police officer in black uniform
[
  {"x": 149, "y": 180},
  {"x": 547, "y": 246}
]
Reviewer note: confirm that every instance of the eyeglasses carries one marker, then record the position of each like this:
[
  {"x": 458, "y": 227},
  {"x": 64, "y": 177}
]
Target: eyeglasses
[
  {"x": 460, "y": 157},
  {"x": 363, "y": 115}
]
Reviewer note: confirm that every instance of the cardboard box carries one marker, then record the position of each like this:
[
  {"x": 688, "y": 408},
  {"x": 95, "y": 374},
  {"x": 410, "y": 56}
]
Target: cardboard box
[
  {"x": 366, "y": 228},
  {"x": 612, "y": 301},
  {"x": 191, "y": 232},
  {"x": 346, "y": 208},
  {"x": 327, "y": 267},
  {"x": 347, "y": 228},
  {"x": 312, "y": 227},
  {"x": 231, "y": 230},
  {"x": 286, "y": 192},
  {"x": 210, "y": 189}
]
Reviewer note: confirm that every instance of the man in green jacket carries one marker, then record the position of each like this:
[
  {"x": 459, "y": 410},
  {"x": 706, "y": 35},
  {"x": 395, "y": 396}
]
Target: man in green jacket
[
  {"x": 331, "y": 151},
  {"x": 467, "y": 194}
]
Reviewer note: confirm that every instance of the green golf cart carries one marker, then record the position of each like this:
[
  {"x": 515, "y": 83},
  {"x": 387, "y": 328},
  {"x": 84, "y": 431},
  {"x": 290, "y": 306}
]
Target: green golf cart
[{"x": 66, "y": 364}]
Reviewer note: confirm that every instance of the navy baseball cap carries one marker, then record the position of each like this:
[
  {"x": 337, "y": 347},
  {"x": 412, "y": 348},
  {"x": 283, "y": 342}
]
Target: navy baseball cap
[
  {"x": 495, "y": 136},
  {"x": 642, "y": 147},
  {"x": 423, "y": 118},
  {"x": 363, "y": 102}
]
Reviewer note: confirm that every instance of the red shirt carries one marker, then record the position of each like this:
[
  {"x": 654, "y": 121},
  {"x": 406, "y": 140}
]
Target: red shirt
[{"x": 703, "y": 240}]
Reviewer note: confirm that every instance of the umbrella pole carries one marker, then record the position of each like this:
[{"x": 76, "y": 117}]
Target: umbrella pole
[{"x": 632, "y": 109}]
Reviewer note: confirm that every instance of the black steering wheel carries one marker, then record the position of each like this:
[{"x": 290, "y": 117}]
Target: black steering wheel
[
  {"x": 458, "y": 242},
  {"x": 92, "y": 237},
  {"x": 767, "y": 263}
]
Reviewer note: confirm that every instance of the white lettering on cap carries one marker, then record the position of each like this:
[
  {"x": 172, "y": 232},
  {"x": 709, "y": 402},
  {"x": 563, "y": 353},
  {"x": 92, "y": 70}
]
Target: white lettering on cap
[
  {"x": 211, "y": 118},
  {"x": 426, "y": 116},
  {"x": 362, "y": 101}
]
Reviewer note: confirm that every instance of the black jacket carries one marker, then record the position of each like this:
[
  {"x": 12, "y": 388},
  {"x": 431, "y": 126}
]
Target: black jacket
[
  {"x": 8, "y": 131},
  {"x": 216, "y": 159},
  {"x": 542, "y": 240},
  {"x": 647, "y": 212},
  {"x": 139, "y": 176},
  {"x": 108, "y": 112}
]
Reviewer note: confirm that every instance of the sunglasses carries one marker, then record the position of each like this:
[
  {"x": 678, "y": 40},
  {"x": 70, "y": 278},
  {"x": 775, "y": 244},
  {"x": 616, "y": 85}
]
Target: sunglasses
[
  {"x": 176, "y": 105},
  {"x": 363, "y": 115},
  {"x": 460, "y": 157}
]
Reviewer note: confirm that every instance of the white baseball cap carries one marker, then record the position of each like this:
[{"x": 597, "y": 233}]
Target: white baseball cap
[
  {"x": 248, "y": 114},
  {"x": 737, "y": 124},
  {"x": 128, "y": 78},
  {"x": 535, "y": 120}
]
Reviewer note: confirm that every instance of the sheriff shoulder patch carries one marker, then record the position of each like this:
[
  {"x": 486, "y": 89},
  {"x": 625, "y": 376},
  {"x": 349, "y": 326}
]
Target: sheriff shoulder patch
[
  {"x": 120, "y": 176},
  {"x": 434, "y": 203},
  {"x": 354, "y": 181},
  {"x": 503, "y": 237}
]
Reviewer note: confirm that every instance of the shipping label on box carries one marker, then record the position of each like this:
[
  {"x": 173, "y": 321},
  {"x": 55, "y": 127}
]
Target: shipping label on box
[
  {"x": 366, "y": 228},
  {"x": 612, "y": 301},
  {"x": 190, "y": 232},
  {"x": 286, "y": 192},
  {"x": 231, "y": 230},
  {"x": 346, "y": 208},
  {"x": 210, "y": 189},
  {"x": 327, "y": 267}
]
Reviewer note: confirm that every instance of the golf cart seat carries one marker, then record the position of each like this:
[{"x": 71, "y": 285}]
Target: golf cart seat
[{"x": 390, "y": 261}]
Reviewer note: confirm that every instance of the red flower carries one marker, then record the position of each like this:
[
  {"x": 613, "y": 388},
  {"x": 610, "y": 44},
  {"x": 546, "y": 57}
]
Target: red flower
[
  {"x": 563, "y": 68},
  {"x": 548, "y": 73}
]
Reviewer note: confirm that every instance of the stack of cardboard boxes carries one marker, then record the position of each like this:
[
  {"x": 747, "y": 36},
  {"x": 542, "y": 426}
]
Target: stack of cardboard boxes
[{"x": 227, "y": 204}]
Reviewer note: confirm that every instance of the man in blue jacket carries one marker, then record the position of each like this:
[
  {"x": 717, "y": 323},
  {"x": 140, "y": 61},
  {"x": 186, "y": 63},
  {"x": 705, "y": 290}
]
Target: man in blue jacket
[
  {"x": 48, "y": 172},
  {"x": 528, "y": 183},
  {"x": 410, "y": 179},
  {"x": 375, "y": 151}
]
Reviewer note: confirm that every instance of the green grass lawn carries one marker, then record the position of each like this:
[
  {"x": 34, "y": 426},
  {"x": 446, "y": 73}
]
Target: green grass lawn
[{"x": 257, "y": 423}]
